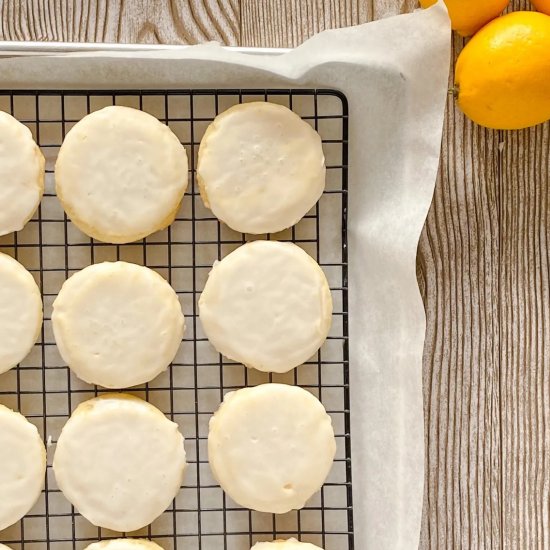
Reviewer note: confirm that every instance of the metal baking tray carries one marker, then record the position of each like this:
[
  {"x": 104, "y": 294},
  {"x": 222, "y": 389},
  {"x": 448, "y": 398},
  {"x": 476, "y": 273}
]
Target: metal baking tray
[
  {"x": 12, "y": 49},
  {"x": 43, "y": 389}
]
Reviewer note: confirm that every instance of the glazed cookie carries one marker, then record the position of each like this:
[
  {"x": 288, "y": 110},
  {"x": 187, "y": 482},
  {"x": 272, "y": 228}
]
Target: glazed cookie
[
  {"x": 117, "y": 324},
  {"x": 119, "y": 461},
  {"x": 261, "y": 168},
  {"x": 22, "y": 466},
  {"x": 21, "y": 174},
  {"x": 271, "y": 447},
  {"x": 121, "y": 175},
  {"x": 124, "y": 544},
  {"x": 290, "y": 544},
  {"x": 20, "y": 312},
  {"x": 267, "y": 305}
]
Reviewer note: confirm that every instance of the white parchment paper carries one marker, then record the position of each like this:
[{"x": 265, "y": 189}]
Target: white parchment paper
[{"x": 394, "y": 73}]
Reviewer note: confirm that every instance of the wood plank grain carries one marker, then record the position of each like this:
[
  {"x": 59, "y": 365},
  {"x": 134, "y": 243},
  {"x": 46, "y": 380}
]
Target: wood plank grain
[
  {"x": 517, "y": 514},
  {"x": 525, "y": 334},
  {"x": 129, "y": 21},
  {"x": 458, "y": 268},
  {"x": 517, "y": 368},
  {"x": 287, "y": 23},
  {"x": 283, "y": 24},
  {"x": 525, "y": 337}
]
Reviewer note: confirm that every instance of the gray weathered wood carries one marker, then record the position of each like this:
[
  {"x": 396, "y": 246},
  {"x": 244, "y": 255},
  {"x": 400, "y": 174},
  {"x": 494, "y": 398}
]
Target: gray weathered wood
[
  {"x": 458, "y": 266},
  {"x": 525, "y": 337},
  {"x": 285, "y": 23},
  {"x": 130, "y": 21}
]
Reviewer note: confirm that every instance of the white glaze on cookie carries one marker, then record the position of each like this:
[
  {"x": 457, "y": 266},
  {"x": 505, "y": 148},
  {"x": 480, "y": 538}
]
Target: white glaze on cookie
[
  {"x": 289, "y": 544},
  {"x": 119, "y": 461},
  {"x": 20, "y": 312},
  {"x": 261, "y": 168},
  {"x": 124, "y": 544},
  {"x": 21, "y": 174},
  {"x": 117, "y": 324},
  {"x": 22, "y": 466},
  {"x": 271, "y": 447},
  {"x": 267, "y": 305},
  {"x": 121, "y": 174}
]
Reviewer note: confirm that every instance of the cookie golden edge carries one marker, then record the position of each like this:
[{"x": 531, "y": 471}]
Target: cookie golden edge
[
  {"x": 285, "y": 544},
  {"x": 124, "y": 544},
  {"x": 111, "y": 238}
]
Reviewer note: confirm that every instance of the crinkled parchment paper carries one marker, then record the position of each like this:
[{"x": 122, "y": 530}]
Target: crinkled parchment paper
[{"x": 394, "y": 73}]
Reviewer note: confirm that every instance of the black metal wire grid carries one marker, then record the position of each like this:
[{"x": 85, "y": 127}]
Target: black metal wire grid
[{"x": 43, "y": 389}]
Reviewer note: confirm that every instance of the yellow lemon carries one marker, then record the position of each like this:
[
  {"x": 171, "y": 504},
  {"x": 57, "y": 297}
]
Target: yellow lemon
[
  {"x": 468, "y": 16},
  {"x": 542, "y": 5},
  {"x": 502, "y": 76}
]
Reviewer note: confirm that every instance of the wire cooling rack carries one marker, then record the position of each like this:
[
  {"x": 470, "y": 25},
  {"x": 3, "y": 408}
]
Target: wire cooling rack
[{"x": 52, "y": 248}]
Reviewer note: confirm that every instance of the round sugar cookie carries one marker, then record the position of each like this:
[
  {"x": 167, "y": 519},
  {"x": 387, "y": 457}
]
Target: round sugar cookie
[
  {"x": 119, "y": 461},
  {"x": 121, "y": 175},
  {"x": 20, "y": 312},
  {"x": 124, "y": 544},
  {"x": 267, "y": 305},
  {"x": 271, "y": 447},
  {"x": 22, "y": 466},
  {"x": 261, "y": 168},
  {"x": 117, "y": 324},
  {"x": 290, "y": 544},
  {"x": 21, "y": 174}
]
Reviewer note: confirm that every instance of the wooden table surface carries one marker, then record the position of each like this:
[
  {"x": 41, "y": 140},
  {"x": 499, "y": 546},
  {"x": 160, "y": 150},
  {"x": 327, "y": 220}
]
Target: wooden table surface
[{"x": 483, "y": 266}]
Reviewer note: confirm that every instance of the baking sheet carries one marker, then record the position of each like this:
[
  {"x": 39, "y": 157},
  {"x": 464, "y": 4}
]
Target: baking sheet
[
  {"x": 394, "y": 73},
  {"x": 52, "y": 248}
]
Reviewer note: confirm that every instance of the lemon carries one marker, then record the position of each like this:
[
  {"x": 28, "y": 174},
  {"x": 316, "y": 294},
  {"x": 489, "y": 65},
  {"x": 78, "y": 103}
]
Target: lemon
[
  {"x": 542, "y": 5},
  {"x": 468, "y": 16},
  {"x": 503, "y": 74}
]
